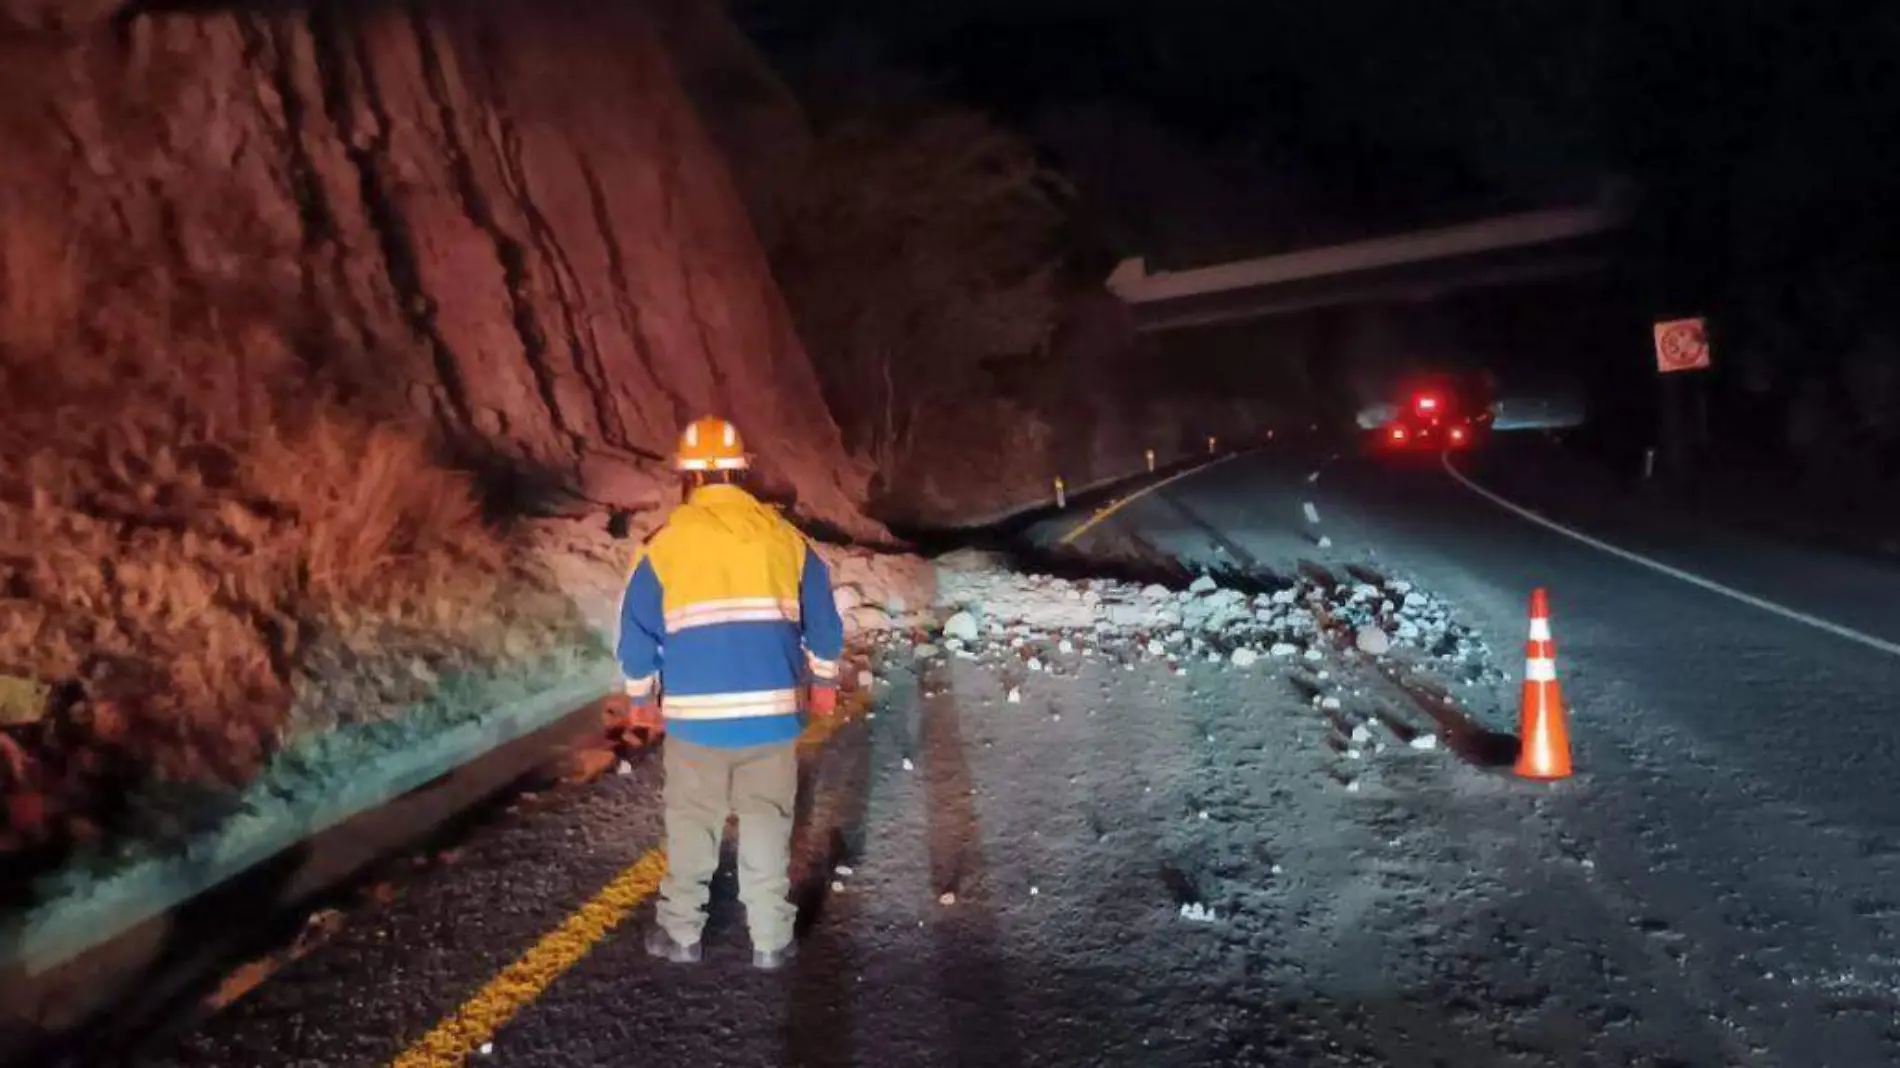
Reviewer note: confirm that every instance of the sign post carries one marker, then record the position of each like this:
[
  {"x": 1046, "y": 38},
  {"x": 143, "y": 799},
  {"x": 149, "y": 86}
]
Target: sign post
[{"x": 1682, "y": 347}]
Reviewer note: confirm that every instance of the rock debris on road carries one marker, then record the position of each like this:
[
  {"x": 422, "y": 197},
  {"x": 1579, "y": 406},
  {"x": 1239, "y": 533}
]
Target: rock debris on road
[{"x": 1110, "y": 823}]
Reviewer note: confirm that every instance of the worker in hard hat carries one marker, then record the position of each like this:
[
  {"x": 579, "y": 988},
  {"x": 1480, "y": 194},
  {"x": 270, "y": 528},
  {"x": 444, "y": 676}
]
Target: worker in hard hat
[{"x": 728, "y": 615}]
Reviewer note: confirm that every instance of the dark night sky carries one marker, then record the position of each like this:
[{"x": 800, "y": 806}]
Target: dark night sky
[{"x": 1761, "y": 131}]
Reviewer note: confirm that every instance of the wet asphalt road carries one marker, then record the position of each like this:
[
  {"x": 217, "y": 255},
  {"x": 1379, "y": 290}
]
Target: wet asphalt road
[{"x": 1739, "y": 786}]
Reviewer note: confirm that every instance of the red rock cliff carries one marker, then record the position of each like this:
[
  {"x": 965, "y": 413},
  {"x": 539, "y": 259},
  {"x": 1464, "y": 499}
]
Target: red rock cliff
[{"x": 503, "y": 216}]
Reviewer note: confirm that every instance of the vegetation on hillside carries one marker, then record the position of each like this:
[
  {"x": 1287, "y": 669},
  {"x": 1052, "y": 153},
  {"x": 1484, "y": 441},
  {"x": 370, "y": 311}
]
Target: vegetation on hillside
[
  {"x": 920, "y": 249},
  {"x": 203, "y": 556}
]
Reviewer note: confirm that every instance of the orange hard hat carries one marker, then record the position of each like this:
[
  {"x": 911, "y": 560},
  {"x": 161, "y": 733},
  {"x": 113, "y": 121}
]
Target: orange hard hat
[{"x": 711, "y": 444}]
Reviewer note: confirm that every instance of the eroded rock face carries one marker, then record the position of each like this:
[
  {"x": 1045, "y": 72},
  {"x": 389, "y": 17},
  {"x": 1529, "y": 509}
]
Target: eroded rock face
[{"x": 502, "y": 216}]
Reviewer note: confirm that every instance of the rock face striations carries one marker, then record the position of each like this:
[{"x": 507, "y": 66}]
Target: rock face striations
[{"x": 503, "y": 217}]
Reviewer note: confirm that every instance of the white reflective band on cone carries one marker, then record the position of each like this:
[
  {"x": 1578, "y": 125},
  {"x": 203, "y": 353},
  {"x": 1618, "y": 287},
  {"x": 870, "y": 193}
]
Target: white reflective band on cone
[
  {"x": 1540, "y": 630},
  {"x": 1540, "y": 670}
]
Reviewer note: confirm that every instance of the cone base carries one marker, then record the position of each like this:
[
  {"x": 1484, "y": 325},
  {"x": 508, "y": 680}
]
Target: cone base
[
  {"x": 1543, "y": 728},
  {"x": 1534, "y": 776}
]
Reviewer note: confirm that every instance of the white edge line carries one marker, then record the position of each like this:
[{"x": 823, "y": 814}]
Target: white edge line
[{"x": 1839, "y": 631}]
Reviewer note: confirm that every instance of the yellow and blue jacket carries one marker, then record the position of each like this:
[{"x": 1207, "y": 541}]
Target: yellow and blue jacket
[{"x": 727, "y": 610}]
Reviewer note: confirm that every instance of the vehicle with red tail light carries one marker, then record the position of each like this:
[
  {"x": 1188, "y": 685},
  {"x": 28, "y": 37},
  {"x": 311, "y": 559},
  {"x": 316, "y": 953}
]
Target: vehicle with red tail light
[{"x": 1439, "y": 412}]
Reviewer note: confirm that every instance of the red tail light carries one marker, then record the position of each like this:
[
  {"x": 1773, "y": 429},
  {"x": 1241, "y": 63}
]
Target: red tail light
[
  {"x": 1426, "y": 402},
  {"x": 1398, "y": 433},
  {"x": 1457, "y": 433}
]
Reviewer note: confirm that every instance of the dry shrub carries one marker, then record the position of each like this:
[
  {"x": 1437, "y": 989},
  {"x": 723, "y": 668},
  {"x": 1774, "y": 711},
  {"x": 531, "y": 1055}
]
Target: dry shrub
[{"x": 175, "y": 538}]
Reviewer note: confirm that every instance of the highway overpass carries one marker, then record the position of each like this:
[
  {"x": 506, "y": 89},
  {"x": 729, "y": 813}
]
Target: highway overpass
[{"x": 1418, "y": 265}]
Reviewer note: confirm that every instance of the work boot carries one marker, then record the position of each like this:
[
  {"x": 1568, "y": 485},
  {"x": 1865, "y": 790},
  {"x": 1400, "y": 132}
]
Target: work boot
[
  {"x": 771, "y": 960},
  {"x": 662, "y": 945}
]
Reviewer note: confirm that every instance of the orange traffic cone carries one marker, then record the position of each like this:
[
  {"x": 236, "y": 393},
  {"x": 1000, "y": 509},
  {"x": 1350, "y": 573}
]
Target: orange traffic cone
[{"x": 1543, "y": 727}]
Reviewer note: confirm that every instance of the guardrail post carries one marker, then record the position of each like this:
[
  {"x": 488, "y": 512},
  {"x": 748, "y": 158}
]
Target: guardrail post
[
  {"x": 1062, "y": 493},
  {"x": 1151, "y": 461},
  {"x": 1212, "y": 443}
]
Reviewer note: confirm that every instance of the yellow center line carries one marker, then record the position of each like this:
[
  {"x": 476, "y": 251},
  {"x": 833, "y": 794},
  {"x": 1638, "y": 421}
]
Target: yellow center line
[
  {"x": 1117, "y": 505},
  {"x": 459, "y": 1035},
  {"x": 472, "y": 1025}
]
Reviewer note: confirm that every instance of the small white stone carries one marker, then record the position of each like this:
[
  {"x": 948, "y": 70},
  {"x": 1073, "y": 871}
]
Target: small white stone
[
  {"x": 487, "y": 1048},
  {"x": 623, "y": 768},
  {"x": 866, "y": 680},
  {"x": 842, "y": 869},
  {"x": 1066, "y": 646},
  {"x": 1330, "y": 704},
  {"x": 908, "y": 766},
  {"x": 837, "y": 887},
  {"x": 1014, "y": 697},
  {"x": 1372, "y": 641},
  {"x": 1352, "y": 787},
  {"x": 1325, "y": 542},
  {"x": 1033, "y": 891},
  {"x": 1425, "y": 741},
  {"x": 1276, "y": 869},
  {"x": 947, "y": 899},
  {"x": 1203, "y": 813},
  {"x": 1361, "y": 734},
  {"x": 1035, "y": 664},
  {"x": 1204, "y": 584},
  {"x": 1315, "y": 654},
  {"x": 1245, "y": 657},
  {"x": 963, "y": 626}
]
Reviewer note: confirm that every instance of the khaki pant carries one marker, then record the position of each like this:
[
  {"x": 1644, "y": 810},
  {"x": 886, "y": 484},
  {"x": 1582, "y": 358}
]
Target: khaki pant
[{"x": 703, "y": 786}]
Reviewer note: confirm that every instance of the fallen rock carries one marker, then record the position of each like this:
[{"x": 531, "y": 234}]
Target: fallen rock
[
  {"x": 586, "y": 765},
  {"x": 962, "y": 626},
  {"x": 1372, "y": 641}
]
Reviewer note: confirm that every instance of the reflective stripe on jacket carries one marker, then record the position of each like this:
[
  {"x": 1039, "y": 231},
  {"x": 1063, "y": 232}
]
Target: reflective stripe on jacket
[{"x": 728, "y": 609}]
